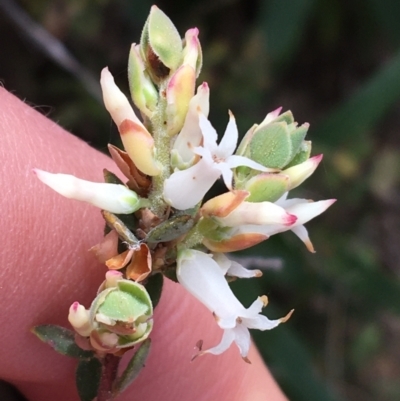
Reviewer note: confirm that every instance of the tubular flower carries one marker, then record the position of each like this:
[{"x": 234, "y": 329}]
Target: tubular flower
[
  {"x": 114, "y": 198},
  {"x": 204, "y": 278},
  {"x": 304, "y": 209},
  {"x": 216, "y": 160}
]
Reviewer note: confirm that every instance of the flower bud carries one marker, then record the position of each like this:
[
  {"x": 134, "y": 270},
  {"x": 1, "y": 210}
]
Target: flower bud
[
  {"x": 114, "y": 198},
  {"x": 79, "y": 318},
  {"x": 160, "y": 45},
  {"x": 139, "y": 145},
  {"x": 115, "y": 101},
  {"x": 192, "y": 53},
  {"x": 275, "y": 142},
  {"x": 181, "y": 86},
  {"x": 143, "y": 92},
  {"x": 121, "y": 315}
]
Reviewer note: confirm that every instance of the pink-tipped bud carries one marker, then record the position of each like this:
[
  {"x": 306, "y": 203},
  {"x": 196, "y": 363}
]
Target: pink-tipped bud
[
  {"x": 192, "y": 54},
  {"x": 180, "y": 90},
  {"x": 299, "y": 173},
  {"x": 79, "y": 318},
  {"x": 260, "y": 213},
  {"x": 112, "y": 278},
  {"x": 115, "y": 101}
]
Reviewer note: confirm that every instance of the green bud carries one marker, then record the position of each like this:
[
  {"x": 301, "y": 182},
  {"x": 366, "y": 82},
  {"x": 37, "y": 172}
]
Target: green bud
[
  {"x": 160, "y": 44},
  {"x": 143, "y": 92},
  {"x": 275, "y": 142},
  {"x": 267, "y": 187},
  {"x": 121, "y": 314}
]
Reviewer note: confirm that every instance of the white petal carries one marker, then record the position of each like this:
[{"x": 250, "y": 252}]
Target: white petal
[
  {"x": 115, "y": 101},
  {"x": 210, "y": 136},
  {"x": 242, "y": 339},
  {"x": 227, "y": 339},
  {"x": 229, "y": 141},
  {"x": 235, "y": 161},
  {"x": 237, "y": 270},
  {"x": 184, "y": 189},
  {"x": 204, "y": 279},
  {"x": 302, "y": 233},
  {"x": 254, "y": 309},
  {"x": 191, "y": 135},
  {"x": 227, "y": 174},
  {"x": 261, "y": 322},
  {"x": 111, "y": 197},
  {"x": 305, "y": 211},
  {"x": 227, "y": 322},
  {"x": 223, "y": 261},
  {"x": 232, "y": 268}
]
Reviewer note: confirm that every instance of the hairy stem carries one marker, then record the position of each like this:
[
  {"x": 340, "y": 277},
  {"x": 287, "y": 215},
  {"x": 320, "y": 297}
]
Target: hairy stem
[{"x": 162, "y": 142}]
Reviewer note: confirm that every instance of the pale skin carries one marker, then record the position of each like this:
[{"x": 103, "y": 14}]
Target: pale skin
[{"x": 46, "y": 266}]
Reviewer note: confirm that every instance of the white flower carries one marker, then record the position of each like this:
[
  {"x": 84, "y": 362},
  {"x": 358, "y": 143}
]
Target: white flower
[
  {"x": 303, "y": 209},
  {"x": 114, "y": 198},
  {"x": 201, "y": 275},
  {"x": 216, "y": 159}
]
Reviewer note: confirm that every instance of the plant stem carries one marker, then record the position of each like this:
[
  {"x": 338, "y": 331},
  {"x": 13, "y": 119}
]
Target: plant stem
[
  {"x": 162, "y": 143},
  {"x": 108, "y": 376}
]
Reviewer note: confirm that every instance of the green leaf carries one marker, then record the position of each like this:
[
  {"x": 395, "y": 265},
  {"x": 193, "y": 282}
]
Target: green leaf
[
  {"x": 171, "y": 229},
  {"x": 154, "y": 287},
  {"x": 134, "y": 367},
  {"x": 114, "y": 222},
  {"x": 88, "y": 375},
  {"x": 61, "y": 340}
]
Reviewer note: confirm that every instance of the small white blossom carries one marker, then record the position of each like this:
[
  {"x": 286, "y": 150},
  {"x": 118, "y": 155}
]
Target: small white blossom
[
  {"x": 114, "y": 198},
  {"x": 201, "y": 275},
  {"x": 216, "y": 160}
]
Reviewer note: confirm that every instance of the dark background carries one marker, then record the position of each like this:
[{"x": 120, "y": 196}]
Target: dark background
[{"x": 336, "y": 65}]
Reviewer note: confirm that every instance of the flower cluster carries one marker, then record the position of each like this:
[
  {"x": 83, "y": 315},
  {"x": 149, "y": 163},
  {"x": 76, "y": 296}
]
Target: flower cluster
[{"x": 157, "y": 222}]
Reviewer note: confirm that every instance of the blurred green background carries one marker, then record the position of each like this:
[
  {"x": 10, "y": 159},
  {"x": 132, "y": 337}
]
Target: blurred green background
[{"x": 336, "y": 65}]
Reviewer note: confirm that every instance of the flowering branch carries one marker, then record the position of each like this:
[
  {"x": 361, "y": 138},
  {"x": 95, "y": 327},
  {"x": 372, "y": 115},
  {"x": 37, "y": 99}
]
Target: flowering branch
[{"x": 157, "y": 223}]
